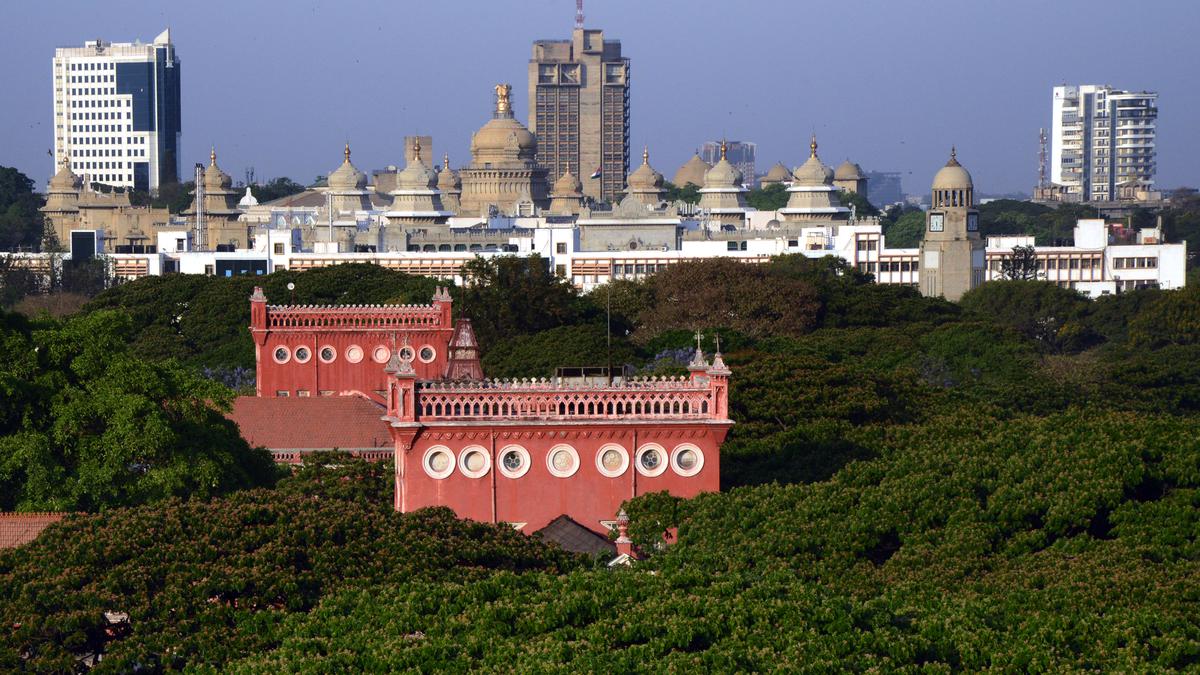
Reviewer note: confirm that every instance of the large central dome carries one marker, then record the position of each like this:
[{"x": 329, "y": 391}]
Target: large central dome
[{"x": 503, "y": 141}]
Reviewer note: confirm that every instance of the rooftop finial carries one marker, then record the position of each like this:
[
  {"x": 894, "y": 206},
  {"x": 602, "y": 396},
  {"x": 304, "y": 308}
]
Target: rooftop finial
[
  {"x": 812, "y": 146},
  {"x": 503, "y": 105},
  {"x": 347, "y": 152},
  {"x": 212, "y": 156},
  {"x": 645, "y": 154},
  {"x": 953, "y": 157},
  {"x": 723, "y": 148},
  {"x": 417, "y": 148},
  {"x": 446, "y": 161}
]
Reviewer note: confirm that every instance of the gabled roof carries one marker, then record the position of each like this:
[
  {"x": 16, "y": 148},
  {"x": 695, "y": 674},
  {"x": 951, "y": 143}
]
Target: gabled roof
[
  {"x": 21, "y": 528},
  {"x": 317, "y": 423},
  {"x": 575, "y": 538}
]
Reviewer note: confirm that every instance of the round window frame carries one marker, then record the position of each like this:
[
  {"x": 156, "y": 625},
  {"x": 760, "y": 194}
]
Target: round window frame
[
  {"x": 412, "y": 354},
  {"x": 662, "y": 465},
  {"x": 600, "y": 460},
  {"x": 462, "y": 461},
  {"x": 679, "y": 450},
  {"x": 321, "y": 353},
  {"x": 275, "y": 354},
  {"x": 432, "y": 351},
  {"x": 550, "y": 461},
  {"x": 296, "y": 354},
  {"x": 526, "y": 462},
  {"x": 439, "y": 475},
  {"x": 377, "y": 349},
  {"x": 355, "y": 354}
]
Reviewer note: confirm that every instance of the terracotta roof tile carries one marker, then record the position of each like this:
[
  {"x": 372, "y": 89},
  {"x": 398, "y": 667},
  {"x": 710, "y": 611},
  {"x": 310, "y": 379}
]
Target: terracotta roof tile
[
  {"x": 22, "y": 528},
  {"x": 575, "y": 538},
  {"x": 317, "y": 423}
]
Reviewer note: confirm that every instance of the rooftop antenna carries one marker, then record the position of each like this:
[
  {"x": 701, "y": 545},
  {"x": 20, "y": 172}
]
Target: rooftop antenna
[
  {"x": 578, "y": 14},
  {"x": 1042, "y": 157}
]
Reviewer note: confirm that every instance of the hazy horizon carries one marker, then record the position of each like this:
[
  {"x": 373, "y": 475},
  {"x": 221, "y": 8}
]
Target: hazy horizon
[{"x": 281, "y": 86}]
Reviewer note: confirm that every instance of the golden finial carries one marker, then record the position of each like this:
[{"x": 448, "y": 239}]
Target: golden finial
[
  {"x": 645, "y": 154},
  {"x": 417, "y": 148},
  {"x": 212, "y": 156},
  {"x": 722, "y": 148},
  {"x": 953, "y": 157},
  {"x": 347, "y": 151},
  {"x": 502, "y": 102},
  {"x": 446, "y": 161},
  {"x": 812, "y": 146}
]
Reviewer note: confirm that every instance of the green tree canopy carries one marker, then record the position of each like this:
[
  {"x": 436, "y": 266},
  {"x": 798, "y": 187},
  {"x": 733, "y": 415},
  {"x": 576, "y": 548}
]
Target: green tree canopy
[{"x": 21, "y": 225}]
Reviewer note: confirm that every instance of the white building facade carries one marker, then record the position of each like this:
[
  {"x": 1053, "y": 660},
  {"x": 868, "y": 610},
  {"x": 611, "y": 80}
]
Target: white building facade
[
  {"x": 117, "y": 112},
  {"x": 1102, "y": 138}
]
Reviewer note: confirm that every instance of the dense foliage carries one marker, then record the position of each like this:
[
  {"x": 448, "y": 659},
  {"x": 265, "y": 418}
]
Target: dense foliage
[
  {"x": 212, "y": 581},
  {"x": 21, "y": 225}
]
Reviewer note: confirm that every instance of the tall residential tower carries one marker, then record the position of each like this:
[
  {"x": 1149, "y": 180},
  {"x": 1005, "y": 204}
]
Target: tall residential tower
[
  {"x": 117, "y": 112},
  {"x": 1102, "y": 138},
  {"x": 579, "y": 110}
]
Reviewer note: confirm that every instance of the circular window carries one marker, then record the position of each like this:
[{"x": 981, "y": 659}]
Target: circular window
[
  {"x": 381, "y": 354},
  {"x": 514, "y": 461},
  {"x": 303, "y": 355},
  {"x": 354, "y": 354},
  {"x": 474, "y": 461},
  {"x": 612, "y": 460},
  {"x": 427, "y": 354},
  {"x": 562, "y": 461},
  {"x": 651, "y": 460},
  {"x": 439, "y": 462},
  {"x": 687, "y": 459},
  {"x": 281, "y": 354},
  {"x": 406, "y": 353},
  {"x": 327, "y": 354}
]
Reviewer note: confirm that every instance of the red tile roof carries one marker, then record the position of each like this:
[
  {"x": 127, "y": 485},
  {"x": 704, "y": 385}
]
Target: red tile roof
[
  {"x": 22, "y": 528},
  {"x": 318, "y": 423}
]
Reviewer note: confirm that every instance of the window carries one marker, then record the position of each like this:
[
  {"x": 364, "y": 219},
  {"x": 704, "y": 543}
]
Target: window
[
  {"x": 612, "y": 460},
  {"x": 439, "y": 462},
  {"x": 302, "y": 355},
  {"x": 562, "y": 461},
  {"x": 278, "y": 247},
  {"x": 560, "y": 247},
  {"x": 354, "y": 354},
  {"x": 731, "y": 246},
  {"x": 328, "y": 354},
  {"x": 651, "y": 460},
  {"x": 514, "y": 461},
  {"x": 560, "y": 270},
  {"x": 687, "y": 459},
  {"x": 427, "y": 354},
  {"x": 474, "y": 461},
  {"x": 281, "y": 393},
  {"x": 281, "y": 354},
  {"x": 381, "y": 354}
]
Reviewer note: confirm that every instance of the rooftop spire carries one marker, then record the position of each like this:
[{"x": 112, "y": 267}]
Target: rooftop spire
[
  {"x": 503, "y": 105},
  {"x": 347, "y": 152},
  {"x": 212, "y": 156},
  {"x": 953, "y": 157},
  {"x": 812, "y": 146},
  {"x": 417, "y": 148},
  {"x": 446, "y": 161},
  {"x": 723, "y": 148},
  {"x": 645, "y": 154}
]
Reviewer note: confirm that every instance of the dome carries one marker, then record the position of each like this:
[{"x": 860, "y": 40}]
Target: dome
[
  {"x": 778, "y": 174},
  {"x": 645, "y": 178},
  {"x": 723, "y": 174},
  {"x": 812, "y": 171},
  {"x": 447, "y": 179},
  {"x": 848, "y": 171},
  {"x": 568, "y": 185},
  {"x": 692, "y": 172},
  {"x": 65, "y": 179},
  {"x": 952, "y": 176},
  {"x": 346, "y": 177},
  {"x": 503, "y": 140},
  {"x": 416, "y": 176},
  {"x": 214, "y": 177}
]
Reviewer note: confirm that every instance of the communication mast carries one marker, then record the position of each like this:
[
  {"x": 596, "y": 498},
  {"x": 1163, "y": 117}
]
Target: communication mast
[
  {"x": 578, "y": 14},
  {"x": 1041, "y": 157},
  {"x": 201, "y": 243}
]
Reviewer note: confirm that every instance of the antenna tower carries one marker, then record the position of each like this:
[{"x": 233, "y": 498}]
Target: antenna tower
[
  {"x": 1042, "y": 157},
  {"x": 578, "y": 14}
]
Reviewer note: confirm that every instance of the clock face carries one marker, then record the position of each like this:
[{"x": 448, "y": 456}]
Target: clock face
[
  {"x": 972, "y": 222},
  {"x": 937, "y": 222}
]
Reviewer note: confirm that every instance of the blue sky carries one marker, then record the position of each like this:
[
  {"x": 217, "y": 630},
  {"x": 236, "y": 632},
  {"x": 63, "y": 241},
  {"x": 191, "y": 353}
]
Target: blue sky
[{"x": 279, "y": 85}]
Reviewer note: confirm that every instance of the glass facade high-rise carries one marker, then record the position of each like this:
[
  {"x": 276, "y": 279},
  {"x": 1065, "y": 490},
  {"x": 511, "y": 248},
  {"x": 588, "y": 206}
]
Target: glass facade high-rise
[
  {"x": 579, "y": 110},
  {"x": 1102, "y": 138},
  {"x": 117, "y": 112}
]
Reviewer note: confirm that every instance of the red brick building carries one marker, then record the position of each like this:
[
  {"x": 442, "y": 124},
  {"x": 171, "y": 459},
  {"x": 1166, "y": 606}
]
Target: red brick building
[{"x": 523, "y": 451}]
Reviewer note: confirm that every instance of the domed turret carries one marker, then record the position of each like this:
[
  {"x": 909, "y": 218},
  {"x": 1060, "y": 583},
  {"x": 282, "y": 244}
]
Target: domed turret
[
  {"x": 416, "y": 201},
  {"x": 813, "y": 171},
  {"x": 416, "y": 176},
  {"x": 812, "y": 195},
  {"x": 450, "y": 185},
  {"x": 646, "y": 184},
  {"x": 778, "y": 174},
  {"x": 848, "y": 170},
  {"x": 723, "y": 195},
  {"x": 214, "y": 177},
  {"x": 692, "y": 172},
  {"x": 723, "y": 174},
  {"x": 952, "y": 184},
  {"x": 503, "y": 141},
  {"x": 347, "y": 178},
  {"x": 503, "y": 173},
  {"x": 567, "y": 195}
]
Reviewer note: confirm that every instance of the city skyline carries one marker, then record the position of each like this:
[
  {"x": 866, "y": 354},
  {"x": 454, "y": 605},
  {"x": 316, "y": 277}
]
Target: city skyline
[{"x": 282, "y": 88}]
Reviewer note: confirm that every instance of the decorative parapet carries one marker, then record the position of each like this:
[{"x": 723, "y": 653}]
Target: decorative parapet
[
  {"x": 353, "y": 317},
  {"x": 545, "y": 400}
]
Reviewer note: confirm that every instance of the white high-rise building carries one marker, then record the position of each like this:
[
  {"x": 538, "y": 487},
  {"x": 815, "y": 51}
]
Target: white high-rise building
[
  {"x": 117, "y": 112},
  {"x": 1102, "y": 138}
]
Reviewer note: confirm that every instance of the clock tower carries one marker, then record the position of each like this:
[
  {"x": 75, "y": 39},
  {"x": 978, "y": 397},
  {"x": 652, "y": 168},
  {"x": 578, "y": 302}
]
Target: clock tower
[{"x": 952, "y": 253}]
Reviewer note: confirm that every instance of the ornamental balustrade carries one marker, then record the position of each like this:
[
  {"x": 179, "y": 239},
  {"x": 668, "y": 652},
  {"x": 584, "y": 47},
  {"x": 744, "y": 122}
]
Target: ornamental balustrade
[
  {"x": 353, "y": 317},
  {"x": 650, "y": 399}
]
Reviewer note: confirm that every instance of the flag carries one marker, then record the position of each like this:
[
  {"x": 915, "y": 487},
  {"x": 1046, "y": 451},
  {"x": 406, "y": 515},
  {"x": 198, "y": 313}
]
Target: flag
[{"x": 596, "y": 173}]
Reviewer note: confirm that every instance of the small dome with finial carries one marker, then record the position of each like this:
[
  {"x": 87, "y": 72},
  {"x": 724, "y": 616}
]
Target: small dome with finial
[
  {"x": 952, "y": 176},
  {"x": 692, "y": 172},
  {"x": 214, "y": 177},
  {"x": 447, "y": 179},
  {"x": 416, "y": 176},
  {"x": 346, "y": 176},
  {"x": 645, "y": 178},
  {"x": 568, "y": 185},
  {"x": 65, "y": 180},
  {"x": 778, "y": 174},
  {"x": 812, "y": 171},
  {"x": 723, "y": 174}
]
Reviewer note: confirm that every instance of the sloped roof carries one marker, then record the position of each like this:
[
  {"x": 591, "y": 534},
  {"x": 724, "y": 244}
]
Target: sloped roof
[
  {"x": 575, "y": 538},
  {"x": 21, "y": 528},
  {"x": 317, "y": 423}
]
